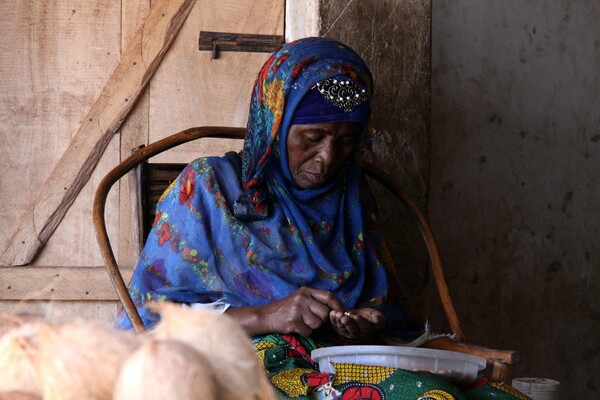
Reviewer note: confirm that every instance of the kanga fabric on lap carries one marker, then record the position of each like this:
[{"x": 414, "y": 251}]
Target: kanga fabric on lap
[
  {"x": 202, "y": 250},
  {"x": 293, "y": 373}
]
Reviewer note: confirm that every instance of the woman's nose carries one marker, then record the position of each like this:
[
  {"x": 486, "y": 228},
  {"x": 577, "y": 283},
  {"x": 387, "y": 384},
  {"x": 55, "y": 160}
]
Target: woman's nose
[{"x": 327, "y": 155}]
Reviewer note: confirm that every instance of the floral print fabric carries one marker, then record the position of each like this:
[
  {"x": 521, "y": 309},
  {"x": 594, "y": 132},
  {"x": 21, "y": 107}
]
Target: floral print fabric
[{"x": 326, "y": 238}]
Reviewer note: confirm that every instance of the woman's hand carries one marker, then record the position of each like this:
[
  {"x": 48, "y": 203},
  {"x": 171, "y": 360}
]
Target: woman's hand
[
  {"x": 357, "y": 324},
  {"x": 301, "y": 312}
]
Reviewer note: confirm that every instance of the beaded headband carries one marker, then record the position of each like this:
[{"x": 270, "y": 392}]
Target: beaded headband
[
  {"x": 336, "y": 99},
  {"x": 342, "y": 92}
]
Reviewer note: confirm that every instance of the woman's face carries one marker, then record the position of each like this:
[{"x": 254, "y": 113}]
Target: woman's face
[{"x": 317, "y": 152}]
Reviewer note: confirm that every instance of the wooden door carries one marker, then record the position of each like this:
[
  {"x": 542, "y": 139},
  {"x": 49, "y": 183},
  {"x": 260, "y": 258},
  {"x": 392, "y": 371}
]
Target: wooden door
[{"x": 57, "y": 57}]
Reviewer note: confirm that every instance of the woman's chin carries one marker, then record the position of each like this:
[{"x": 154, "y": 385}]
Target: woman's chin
[{"x": 310, "y": 181}]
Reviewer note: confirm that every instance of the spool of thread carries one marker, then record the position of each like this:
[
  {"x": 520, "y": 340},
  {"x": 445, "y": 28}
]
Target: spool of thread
[{"x": 538, "y": 388}]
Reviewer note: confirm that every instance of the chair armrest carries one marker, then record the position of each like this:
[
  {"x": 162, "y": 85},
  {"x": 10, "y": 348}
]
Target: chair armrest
[
  {"x": 509, "y": 357},
  {"x": 119, "y": 171}
]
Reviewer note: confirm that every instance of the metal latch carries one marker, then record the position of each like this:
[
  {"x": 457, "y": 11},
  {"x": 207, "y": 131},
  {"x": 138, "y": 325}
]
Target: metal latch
[{"x": 219, "y": 41}]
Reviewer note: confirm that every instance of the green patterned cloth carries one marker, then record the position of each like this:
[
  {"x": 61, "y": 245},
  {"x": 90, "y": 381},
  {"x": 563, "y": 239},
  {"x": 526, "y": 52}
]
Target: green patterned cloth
[{"x": 293, "y": 373}]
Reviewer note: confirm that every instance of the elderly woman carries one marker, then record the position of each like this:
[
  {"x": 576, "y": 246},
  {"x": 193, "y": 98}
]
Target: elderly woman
[{"x": 284, "y": 236}]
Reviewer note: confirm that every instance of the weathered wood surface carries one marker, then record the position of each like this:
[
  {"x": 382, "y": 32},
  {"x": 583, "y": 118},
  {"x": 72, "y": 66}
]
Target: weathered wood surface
[
  {"x": 61, "y": 54},
  {"x": 207, "y": 92},
  {"x": 104, "y": 312},
  {"x": 201, "y": 92},
  {"x": 134, "y": 132},
  {"x": 123, "y": 89},
  {"x": 55, "y": 62},
  {"x": 57, "y": 283}
]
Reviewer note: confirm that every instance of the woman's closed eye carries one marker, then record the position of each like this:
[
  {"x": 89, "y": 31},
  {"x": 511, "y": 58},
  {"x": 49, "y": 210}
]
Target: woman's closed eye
[{"x": 313, "y": 136}]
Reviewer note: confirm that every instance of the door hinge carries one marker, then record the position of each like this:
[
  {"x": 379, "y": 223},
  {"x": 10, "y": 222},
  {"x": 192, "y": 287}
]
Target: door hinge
[{"x": 219, "y": 41}]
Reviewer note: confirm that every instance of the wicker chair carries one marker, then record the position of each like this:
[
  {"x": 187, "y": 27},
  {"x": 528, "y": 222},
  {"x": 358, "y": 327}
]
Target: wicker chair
[{"x": 499, "y": 361}]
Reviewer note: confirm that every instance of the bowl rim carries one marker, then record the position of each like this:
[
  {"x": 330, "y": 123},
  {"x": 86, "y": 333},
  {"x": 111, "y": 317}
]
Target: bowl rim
[{"x": 370, "y": 350}]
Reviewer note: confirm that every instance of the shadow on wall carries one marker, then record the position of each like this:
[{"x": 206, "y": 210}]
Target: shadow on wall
[{"x": 394, "y": 39}]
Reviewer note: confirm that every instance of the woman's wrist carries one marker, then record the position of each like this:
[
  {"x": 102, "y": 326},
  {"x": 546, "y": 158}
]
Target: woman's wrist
[{"x": 249, "y": 318}]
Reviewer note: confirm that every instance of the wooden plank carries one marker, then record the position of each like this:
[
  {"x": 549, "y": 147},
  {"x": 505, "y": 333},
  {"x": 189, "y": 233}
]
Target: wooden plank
[
  {"x": 104, "y": 312},
  {"x": 57, "y": 283},
  {"x": 123, "y": 89},
  {"x": 73, "y": 241},
  {"x": 206, "y": 92},
  {"x": 134, "y": 132},
  {"x": 56, "y": 57}
]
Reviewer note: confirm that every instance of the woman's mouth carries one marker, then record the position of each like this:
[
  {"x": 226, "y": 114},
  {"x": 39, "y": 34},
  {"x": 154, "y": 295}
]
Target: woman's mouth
[{"x": 316, "y": 178}]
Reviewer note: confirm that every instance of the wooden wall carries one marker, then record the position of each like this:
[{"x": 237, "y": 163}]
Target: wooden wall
[{"x": 57, "y": 57}]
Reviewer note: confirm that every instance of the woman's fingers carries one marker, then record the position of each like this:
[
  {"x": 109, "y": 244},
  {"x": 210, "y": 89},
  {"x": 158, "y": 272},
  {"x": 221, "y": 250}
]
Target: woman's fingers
[
  {"x": 319, "y": 303},
  {"x": 316, "y": 305},
  {"x": 302, "y": 312},
  {"x": 326, "y": 298},
  {"x": 357, "y": 324},
  {"x": 317, "y": 314},
  {"x": 308, "y": 309},
  {"x": 352, "y": 324},
  {"x": 376, "y": 318}
]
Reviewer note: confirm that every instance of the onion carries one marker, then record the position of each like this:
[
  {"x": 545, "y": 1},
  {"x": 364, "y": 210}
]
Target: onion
[
  {"x": 81, "y": 360},
  {"x": 224, "y": 343},
  {"x": 166, "y": 369},
  {"x": 17, "y": 359}
]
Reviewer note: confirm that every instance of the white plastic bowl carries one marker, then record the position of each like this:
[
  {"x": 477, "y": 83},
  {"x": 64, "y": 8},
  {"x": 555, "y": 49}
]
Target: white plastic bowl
[{"x": 453, "y": 365}]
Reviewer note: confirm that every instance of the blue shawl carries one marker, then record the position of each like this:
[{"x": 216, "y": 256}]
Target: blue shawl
[{"x": 200, "y": 250}]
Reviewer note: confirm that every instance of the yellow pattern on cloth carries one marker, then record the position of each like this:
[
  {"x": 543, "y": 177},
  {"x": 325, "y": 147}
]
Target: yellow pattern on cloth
[
  {"x": 167, "y": 191},
  {"x": 510, "y": 390},
  {"x": 363, "y": 373},
  {"x": 436, "y": 395},
  {"x": 264, "y": 345},
  {"x": 261, "y": 348},
  {"x": 290, "y": 381}
]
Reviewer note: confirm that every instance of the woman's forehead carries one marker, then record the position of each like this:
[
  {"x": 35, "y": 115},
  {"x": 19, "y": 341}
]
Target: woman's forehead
[{"x": 329, "y": 127}]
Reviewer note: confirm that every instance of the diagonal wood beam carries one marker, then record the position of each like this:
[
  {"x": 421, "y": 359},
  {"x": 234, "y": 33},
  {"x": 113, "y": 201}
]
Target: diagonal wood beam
[{"x": 124, "y": 87}]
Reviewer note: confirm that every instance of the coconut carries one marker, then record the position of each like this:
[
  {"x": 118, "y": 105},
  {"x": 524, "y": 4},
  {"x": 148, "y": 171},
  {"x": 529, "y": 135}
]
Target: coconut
[
  {"x": 223, "y": 342},
  {"x": 81, "y": 360},
  {"x": 18, "y": 395},
  {"x": 166, "y": 369},
  {"x": 10, "y": 321},
  {"x": 18, "y": 347}
]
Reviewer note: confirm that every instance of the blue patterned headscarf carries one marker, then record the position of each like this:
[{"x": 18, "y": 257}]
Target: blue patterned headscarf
[
  {"x": 256, "y": 237},
  {"x": 281, "y": 84}
]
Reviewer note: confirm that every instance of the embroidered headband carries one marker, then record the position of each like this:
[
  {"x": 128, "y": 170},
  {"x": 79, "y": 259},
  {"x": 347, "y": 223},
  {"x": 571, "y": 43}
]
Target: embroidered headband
[
  {"x": 336, "y": 99},
  {"x": 342, "y": 92}
]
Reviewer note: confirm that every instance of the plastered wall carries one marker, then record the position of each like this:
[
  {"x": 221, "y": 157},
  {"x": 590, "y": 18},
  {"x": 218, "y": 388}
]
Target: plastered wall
[
  {"x": 393, "y": 37},
  {"x": 515, "y": 200}
]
